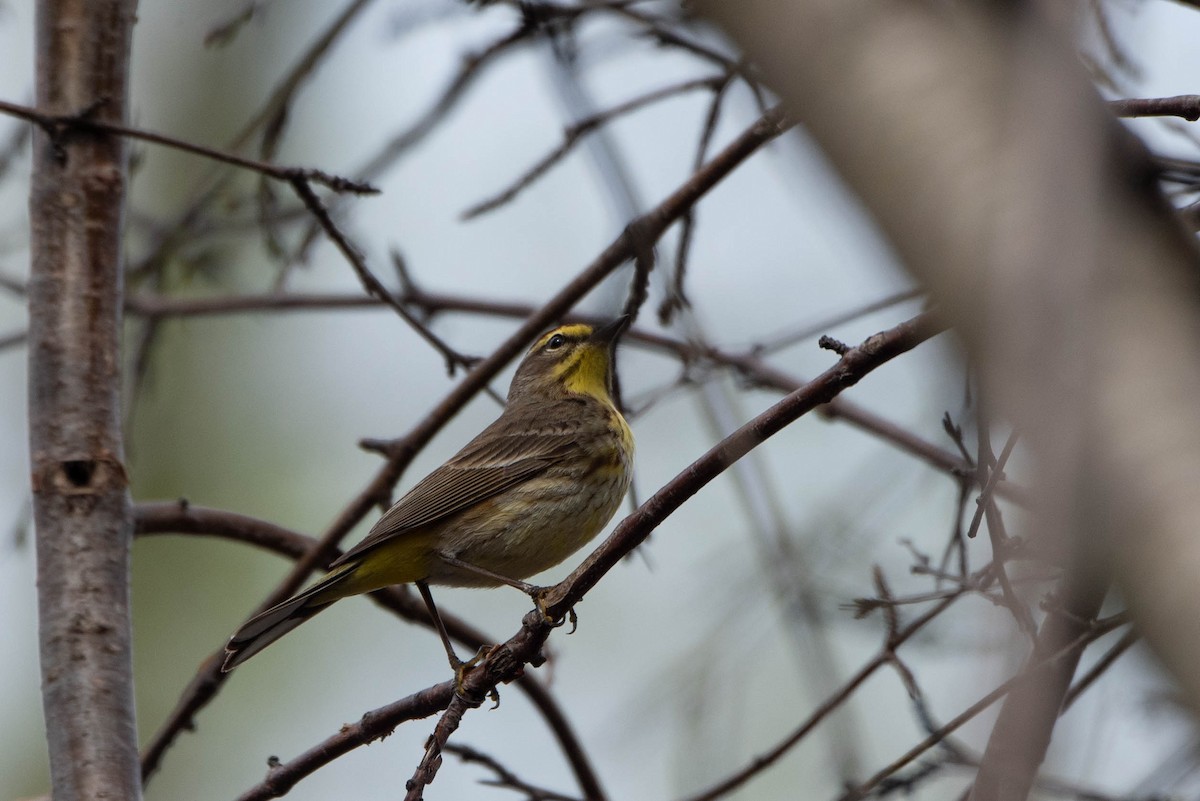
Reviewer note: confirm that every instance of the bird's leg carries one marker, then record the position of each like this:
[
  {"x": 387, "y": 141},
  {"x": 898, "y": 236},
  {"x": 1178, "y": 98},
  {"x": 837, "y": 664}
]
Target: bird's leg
[
  {"x": 538, "y": 594},
  {"x": 457, "y": 665},
  {"x": 523, "y": 586}
]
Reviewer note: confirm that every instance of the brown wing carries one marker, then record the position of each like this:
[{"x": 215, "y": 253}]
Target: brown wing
[{"x": 487, "y": 466}]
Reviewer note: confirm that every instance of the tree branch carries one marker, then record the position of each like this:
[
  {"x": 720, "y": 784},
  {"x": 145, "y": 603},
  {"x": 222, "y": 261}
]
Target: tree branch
[
  {"x": 750, "y": 365},
  {"x": 181, "y": 517},
  {"x": 836, "y": 699},
  {"x": 1021, "y": 735},
  {"x": 575, "y": 132},
  {"x": 1034, "y": 673},
  {"x": 1186, "y": 106},
  {"x": 59, "y": 125}
]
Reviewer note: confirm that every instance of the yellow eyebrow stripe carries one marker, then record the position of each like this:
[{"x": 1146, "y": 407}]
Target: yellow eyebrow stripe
[{"x": 578, "y": 331}]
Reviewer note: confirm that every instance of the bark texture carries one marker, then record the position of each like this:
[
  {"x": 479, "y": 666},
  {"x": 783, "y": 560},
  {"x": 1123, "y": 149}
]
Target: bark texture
[{"x": 81, "y": 501}]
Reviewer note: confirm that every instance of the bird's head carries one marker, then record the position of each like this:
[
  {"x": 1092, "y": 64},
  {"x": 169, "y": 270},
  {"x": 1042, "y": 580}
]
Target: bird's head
[{"x": 575, "y": 358}]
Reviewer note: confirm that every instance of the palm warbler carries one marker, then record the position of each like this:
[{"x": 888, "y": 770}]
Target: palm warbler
[{"x": 529, "y": 491}]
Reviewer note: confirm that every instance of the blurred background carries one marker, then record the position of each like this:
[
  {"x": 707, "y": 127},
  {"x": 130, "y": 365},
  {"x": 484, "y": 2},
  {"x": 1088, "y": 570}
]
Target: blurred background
[{"x": 731, "y": 625}]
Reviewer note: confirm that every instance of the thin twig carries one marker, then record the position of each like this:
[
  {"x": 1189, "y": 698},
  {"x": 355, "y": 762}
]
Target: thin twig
[
  {"x": 13, "y": 340},
  {"x": 657, "y": 29},
  {"x": 676, "y": 297},
  {"x": 223, "y": 33},
  {"x": 581, "y": 128},
  {"x": 1127, "y": 641},
  {"x": 58, "y": 126},
  {"x": 997, "y": 533},
  {"x": 469, "y": 71},
  {"x": 827, "y": 707},
  {"x": 370, "y": 283},
  {"x": 504, "y": 777},
  {"x": 13, "y": 148},
  {"x": 428, "y": 767},
  {"x": 808, "y": 331},
  {"x": 305, "y": 66},
  {"x": 1031, "y": 673},
  {"x": 180, "y": 230},
  {"x": 958, "y": 540}
]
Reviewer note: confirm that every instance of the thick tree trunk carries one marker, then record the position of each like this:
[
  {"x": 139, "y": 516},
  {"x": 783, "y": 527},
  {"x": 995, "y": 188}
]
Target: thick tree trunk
[
  {"x": 81, "y": 500},
  {"x": 998, "y": 175}
]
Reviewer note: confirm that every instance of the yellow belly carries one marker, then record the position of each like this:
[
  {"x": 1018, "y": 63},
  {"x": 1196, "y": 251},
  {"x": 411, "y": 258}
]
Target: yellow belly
[
  {"x": 531, "y": 529},
  {"x": 401, "y": 561}
]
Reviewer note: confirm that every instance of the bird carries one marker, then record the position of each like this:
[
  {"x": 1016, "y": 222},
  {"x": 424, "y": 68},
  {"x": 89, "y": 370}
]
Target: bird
[{"x": 528, "y": 491}]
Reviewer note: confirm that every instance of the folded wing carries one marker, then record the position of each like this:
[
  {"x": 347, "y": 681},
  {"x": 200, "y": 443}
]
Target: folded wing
[{"x": 486, "y": 467}]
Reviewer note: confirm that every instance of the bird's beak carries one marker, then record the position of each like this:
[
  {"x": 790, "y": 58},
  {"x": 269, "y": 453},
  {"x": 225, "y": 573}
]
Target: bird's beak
[{"x": 607, "y": 334}]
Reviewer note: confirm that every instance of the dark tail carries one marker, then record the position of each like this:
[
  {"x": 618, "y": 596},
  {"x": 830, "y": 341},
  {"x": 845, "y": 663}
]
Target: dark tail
[{"x": 263, "y": 629}]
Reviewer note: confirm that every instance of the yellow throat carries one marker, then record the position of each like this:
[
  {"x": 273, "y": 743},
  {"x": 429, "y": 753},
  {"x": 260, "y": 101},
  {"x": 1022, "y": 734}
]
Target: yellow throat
[{"x": 585, "y": 371}]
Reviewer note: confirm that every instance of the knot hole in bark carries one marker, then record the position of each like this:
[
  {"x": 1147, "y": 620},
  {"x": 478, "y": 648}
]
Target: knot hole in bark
[{"x": 79, "y": 472}]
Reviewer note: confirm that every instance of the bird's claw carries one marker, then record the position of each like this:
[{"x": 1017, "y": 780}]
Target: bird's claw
[
  {"x": 460, "y": 674},
  {"x": 460, "y": 669},
  {"x": 539, "y": 595}
]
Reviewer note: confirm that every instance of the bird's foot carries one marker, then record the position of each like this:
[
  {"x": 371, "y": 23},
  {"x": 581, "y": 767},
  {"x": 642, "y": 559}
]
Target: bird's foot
[
  {"x": 540, "y": 600},
  {"x": 461, "y": 669}
]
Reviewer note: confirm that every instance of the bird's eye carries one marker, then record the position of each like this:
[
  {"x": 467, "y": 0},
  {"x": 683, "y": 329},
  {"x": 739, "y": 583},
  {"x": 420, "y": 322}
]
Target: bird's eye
[{"x": 556, "y": 342}]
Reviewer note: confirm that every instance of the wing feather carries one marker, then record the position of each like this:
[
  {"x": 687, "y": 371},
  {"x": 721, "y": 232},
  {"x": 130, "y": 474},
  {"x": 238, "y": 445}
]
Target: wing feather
[{"x": 486, "y": 467}]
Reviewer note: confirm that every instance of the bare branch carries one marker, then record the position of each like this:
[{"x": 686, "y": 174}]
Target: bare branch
[
  {"x": 58, "y": 126},
  {"x": 750, "y": 366},
  {"x": 504, "y": 777},
  {"x": 181, "y": 517},
  {"x": 1127, "y": 641},
  {"x": 473, "y": 66},
  {"x": 374, "y": 725},
  {"x": 186, "y": 222},
  {"x": 990, "y": 471},
  {"x": 305, "y": 66},
  {"x": 836, "y": 699},
  {"x": 1186, "y": 106},
  {"x": 15, "y": 339},
  {"x": 1037, "y": 670},
  {"x": 581, "y": 128},
  {"x": 370, "y": 283},
  {"x": 1022, "y": 731}
]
